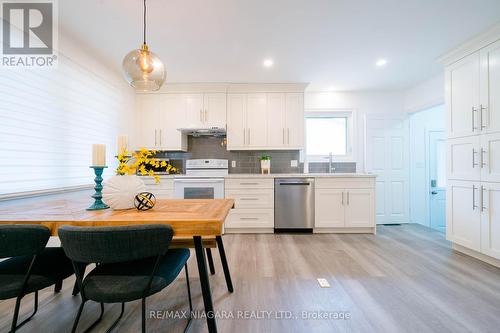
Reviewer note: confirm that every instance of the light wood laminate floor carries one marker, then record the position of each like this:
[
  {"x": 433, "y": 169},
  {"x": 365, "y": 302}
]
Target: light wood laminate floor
[{"x": 404, "y": 279}]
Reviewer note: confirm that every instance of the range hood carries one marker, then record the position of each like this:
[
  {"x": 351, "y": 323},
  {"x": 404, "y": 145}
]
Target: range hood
[{"x": 205, "y": 131}]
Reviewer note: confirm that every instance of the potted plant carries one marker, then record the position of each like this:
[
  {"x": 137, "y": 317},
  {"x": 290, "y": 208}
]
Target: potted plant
[
  {"x": 120, "y": 190},
  {"x": 265, "y": 164}
]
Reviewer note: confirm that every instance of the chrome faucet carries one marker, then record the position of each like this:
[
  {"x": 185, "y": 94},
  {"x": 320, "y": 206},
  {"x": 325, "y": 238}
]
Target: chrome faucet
[{"x": 330, "y": 163}]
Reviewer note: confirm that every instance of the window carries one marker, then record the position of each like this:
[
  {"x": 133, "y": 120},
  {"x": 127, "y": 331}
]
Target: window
[{"x": 328, "y": 132}]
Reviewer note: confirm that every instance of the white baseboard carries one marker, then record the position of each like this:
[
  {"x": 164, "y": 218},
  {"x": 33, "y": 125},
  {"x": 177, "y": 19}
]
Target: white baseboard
[
  {"x": 477, "y": 255},
  {"x": 367, "y": 230}
]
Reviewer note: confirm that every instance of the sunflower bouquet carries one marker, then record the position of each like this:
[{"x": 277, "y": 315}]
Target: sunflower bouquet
[{"x": 131, "y": 163}]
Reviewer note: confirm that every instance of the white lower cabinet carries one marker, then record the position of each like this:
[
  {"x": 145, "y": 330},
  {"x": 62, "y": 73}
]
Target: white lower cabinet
[
  {"x": 247, "y": 219},
  {"x": 343, "y": 207},
  {"x": 162, "y": 190},
  {"x": 490, "y": 219}
]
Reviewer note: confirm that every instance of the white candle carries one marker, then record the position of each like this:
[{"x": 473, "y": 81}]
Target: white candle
[
  {"x": 122, "y": 144},
  {"x": 98, "y": 155}
]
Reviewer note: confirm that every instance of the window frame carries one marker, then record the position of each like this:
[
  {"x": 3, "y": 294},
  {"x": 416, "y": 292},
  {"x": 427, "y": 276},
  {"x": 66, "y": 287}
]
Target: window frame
[{"x": 350, "y": 135}]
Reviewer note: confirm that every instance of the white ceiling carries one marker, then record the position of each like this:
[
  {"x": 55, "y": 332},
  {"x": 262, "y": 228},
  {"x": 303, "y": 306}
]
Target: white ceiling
[{"x": 330, "y": 43}]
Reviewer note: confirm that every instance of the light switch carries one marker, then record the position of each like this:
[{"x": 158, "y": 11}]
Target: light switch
[
  {"x": 294, "y": 163},
  {"x": 233, "y": 164}
]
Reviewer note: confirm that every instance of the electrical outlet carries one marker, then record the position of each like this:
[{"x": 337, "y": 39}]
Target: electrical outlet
[
  {"x": 323, "y": 283},
  {"x": 294, "y": 163},
  {"x": 233, "y": 164}
]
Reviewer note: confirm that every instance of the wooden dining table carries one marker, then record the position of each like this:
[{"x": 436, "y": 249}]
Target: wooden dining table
[{"x": 198, "y": 219}]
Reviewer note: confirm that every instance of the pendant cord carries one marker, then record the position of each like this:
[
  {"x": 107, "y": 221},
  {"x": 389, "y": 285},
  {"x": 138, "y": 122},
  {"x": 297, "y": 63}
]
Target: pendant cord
[{"x": 144, "y": 31}]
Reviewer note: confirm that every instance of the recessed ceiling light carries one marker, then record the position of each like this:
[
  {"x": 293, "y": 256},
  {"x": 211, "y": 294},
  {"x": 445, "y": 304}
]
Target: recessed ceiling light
[
  {"x": 268, "y": 63},
  {"x": 381, "y": 62}
]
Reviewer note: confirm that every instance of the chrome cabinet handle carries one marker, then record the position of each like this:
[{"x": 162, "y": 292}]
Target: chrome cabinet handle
[
  {"x": 206, "y": 115},
  {"x": 473, "y": 119},
  {"x": 160, "y": 137},
  {"x": 474, "y": 197},
  {"x": 474, "y": 152},
  {"x": 283, "y": 132},
  {"x": 244, "y": 136},
  {"x": 249, "y": 199},
  {"x": 483, "y": 151},
  {"x": 249, "y": 183},
  {"x": 482, "y": 108},
  {"x": 342, "y": 198},
  {"x": 156, "y": 137},
  {"x": 248, "y": 134},
  {"x": 483, "y": 208},
  {"x": 201, "y": 115},
  {"x": 288, "y": 135},
  {"x": 347, "y": 198},
  {"x": 249, "y": 218}
]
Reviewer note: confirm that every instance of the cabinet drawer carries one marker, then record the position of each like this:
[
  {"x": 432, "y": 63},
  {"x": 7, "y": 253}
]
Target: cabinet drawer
[
  {"x": 345, "y": 183},
  {"x": 250, "y": 218},
  {"x": 251, "y": 198},
  {"x": 248, "y": 183}
]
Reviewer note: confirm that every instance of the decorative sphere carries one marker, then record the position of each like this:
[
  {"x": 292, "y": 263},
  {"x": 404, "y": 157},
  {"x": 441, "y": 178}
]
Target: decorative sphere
[{"x": 144, "y": 201}]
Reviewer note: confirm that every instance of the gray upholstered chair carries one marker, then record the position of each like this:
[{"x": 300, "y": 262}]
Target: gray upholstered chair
[
  {"x": 133, "y": 262},
  {"x": 31, "y": 266}
]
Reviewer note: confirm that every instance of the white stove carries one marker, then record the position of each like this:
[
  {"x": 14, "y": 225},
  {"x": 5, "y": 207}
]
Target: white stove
[{"x": 204, "y": 180}]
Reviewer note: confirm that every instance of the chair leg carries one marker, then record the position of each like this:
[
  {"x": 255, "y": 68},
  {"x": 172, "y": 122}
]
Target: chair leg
[
  {"x": 210, "y": 261},
  {"x": 58, "y": 286},
  {"x": 76, "y": 289},
  {"x": 188, "y": 325},
  {"x": 14, "y": 325},
  {"x": 225, "y": 266},
  {"x": 144, "y": 315},
  {"x": 117, "y": 319},
  {"x": 77, "y": 319}
]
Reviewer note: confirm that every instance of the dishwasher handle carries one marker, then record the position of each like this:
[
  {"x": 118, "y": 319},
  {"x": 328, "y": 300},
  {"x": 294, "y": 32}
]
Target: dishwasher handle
[{"x": 290, "y": 183}]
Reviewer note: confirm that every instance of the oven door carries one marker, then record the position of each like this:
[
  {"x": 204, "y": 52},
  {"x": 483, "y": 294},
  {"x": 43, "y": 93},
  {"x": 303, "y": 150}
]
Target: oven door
[{"x": 199, "y": 188}]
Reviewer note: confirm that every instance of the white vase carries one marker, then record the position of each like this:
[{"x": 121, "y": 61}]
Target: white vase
[
  {"x": 119, "y": 191},
  {"x": 265, "y": 166}
]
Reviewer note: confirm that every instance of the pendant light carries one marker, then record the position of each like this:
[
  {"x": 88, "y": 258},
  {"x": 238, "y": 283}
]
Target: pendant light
[{"x": 143, "y": 70}]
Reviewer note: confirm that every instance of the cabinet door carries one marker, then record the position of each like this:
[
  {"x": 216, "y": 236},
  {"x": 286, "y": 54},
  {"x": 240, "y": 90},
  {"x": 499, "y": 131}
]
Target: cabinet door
[
  {"x": 490, "y": 88},
  {"x": 295, "y": 120},
  {"x": 329, "y": 208},
  {"x": 360, "y": 208},
  {"x": 256, "y": 132},
  {"x": 214, "y": 110},
  {"x": 148, "y": 110},
  {"x": 193, "y": 108},
  {"x": 463, "y": 160},
  {"x": 171, "y": 110},
  {"x": 276, "y": 126},
  {"x": 490, "y": 219},
  {"x": 463, "y": 218},
  {"x": 489, "y": 157},
  {"x": 236, "y": 121},
  {"x": 462, "y": 96}
]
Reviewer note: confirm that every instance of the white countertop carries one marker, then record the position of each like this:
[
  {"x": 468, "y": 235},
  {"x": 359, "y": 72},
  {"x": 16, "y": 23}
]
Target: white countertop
[{"x": 286, "y": 175}]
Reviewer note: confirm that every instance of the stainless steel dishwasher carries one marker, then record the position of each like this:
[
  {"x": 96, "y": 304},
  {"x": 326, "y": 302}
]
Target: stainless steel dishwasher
[{"x": 293, "y": 204}]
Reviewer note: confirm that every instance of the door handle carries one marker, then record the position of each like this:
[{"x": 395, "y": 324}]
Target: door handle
[
  {"x": 474, "y": 197},
  {"x": 474, "y": 152},
  {"x": 473, "y": 119},
  {"x": 482, "y": 108},
  {"x": 483, "y": 208},
  {"x": 434, "y": 193},
  {"x": 483, "y": 151}
]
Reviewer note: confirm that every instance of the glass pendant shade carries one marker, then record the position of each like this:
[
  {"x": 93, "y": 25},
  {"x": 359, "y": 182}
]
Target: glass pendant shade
[{"x": 144, "y": 70}]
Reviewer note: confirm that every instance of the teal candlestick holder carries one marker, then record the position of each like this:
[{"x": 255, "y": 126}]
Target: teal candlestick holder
[{"x": 98, "y": 204}]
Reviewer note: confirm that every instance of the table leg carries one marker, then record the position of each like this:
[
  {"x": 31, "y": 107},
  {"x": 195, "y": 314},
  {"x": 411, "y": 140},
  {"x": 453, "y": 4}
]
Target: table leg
[
  {"x": 225, "y": 266},
  {"x": 210, "y": 261},
  {"x": 205, "y": 284}
]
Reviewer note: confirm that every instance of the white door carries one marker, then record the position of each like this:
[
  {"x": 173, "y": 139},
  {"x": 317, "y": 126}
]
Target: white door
[
  {"x": 276, "y": 127},
  {"x": 387, "y": 157},
  {"x": 329, "y": 208},
  {"x": 236, "y": 121},
  {"x": 256, "y": 132},
  {"x": 490, "y": 219},
  {"x": 193, "y": 108},
  {"x": 214, "y": 112},
  {"x": 359, "y": 209},
  {"x": 489, "y": 157},
  {"x": 295, "y": 120},
  {"x": 437, "y": 181},
  {"x": 462, "y": 96},
  {"x": 171, "y": 110},
  {"x": 463, "y": 218},
  {"x": 148, "y": 111},
  {"x": 490, "y": 88},
  {"x": 463, "y": 161}
]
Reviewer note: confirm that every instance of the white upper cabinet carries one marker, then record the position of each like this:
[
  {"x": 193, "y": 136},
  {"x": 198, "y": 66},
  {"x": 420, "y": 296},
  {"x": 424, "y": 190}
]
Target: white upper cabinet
[
  {"x": 462, "y": 96},
  {"x": 157, "y": 116},
  {"x": 256, "y": 131},
  {"x": 205, "y": 110},
  {"x": 464, "y": 158},
  {"x": 214, "y": 108},
  {"x": 269, "y": 121},
  {"x": 295, "y": 120},
  {"x": 490, "y": 89}
]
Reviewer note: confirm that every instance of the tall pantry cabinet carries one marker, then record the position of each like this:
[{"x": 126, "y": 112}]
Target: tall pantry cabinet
[{"x": 473, "y": 146}]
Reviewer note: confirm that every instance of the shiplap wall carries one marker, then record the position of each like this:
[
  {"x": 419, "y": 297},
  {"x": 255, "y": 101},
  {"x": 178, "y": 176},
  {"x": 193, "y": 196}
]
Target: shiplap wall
[{"x": 50, "y": 118}]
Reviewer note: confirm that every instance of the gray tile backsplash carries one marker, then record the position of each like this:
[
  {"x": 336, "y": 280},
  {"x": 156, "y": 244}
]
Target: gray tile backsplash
[
  {"x": 246, "y": 161},
  {"x": 337, "y": 167}
]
